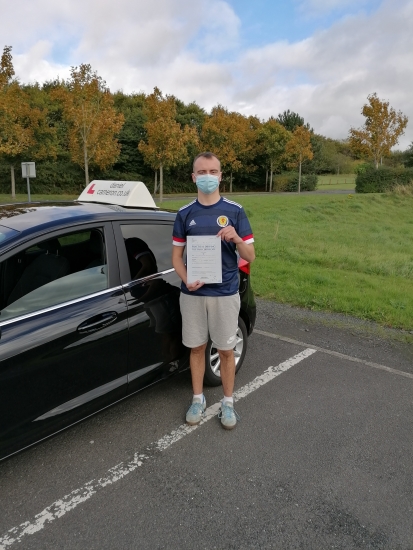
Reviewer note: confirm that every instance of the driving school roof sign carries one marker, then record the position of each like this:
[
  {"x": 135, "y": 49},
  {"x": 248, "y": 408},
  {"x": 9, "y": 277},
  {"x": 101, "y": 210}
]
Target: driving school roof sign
[{"x": 124, "y": 193}]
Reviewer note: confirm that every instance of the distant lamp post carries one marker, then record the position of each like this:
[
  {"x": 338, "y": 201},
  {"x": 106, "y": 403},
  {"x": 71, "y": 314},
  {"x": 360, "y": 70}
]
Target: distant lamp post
[{"x": 28, "y": 171}]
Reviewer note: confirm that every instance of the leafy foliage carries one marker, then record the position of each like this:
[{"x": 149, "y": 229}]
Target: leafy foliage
[
  {"x": 81, "y": 125},
  {"x": 273, "y": 138},
  {"x": 231, "y": 137},
  {"x": 372, "y": 180},
  {"x": 408, "y": 156},
  {"x": 308, "y": 182},
  {"x": 299, "y": 149},
  {"x": 381, "y": 131},
  {"x": 130, "y": 159},
  {"x": 291, "y": 121},
  {"x": 93, "y": 122},
  {"x": 24, "y": 125},
  {"x": 166, "y": 142}
]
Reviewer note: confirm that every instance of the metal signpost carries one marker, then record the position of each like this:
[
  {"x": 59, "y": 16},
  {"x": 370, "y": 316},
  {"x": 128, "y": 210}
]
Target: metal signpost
[{"x": 28, "y": 171}]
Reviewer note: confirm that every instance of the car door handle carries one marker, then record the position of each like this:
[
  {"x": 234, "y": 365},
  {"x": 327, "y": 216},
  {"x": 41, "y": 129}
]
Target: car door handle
[{"x": 98, "y": 322}]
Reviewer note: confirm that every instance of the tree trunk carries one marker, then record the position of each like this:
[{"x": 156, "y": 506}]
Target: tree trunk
[
  {"x": 86, "y": 164},
  {"x": 271, "y": 172},
  {"x": 155, "y": 188},
  {"x": 230, "y": 183},
  {"x": 266, "y": 180},
  {"x": 13, "y": 182},
  {"x": 160, "y": 183},
  {"x": 299, "y": 177}
]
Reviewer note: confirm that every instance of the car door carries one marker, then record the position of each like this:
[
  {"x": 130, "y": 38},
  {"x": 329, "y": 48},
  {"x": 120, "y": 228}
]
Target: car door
[
  {"x": 64, "y": 333},
  {"x": 152, "y": 290}
]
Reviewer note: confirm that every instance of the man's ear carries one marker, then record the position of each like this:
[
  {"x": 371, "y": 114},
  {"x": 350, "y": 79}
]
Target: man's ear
[{"x": 193, "y": 178}]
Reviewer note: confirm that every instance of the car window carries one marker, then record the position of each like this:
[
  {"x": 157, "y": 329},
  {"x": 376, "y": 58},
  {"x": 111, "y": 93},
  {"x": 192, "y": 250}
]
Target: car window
[
  {"x": 53, "y": 271},
  {"x": 148, "y": 248}
]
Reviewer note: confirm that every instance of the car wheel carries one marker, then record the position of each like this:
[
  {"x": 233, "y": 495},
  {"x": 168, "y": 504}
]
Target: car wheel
[{"x": 212, "y": 361}]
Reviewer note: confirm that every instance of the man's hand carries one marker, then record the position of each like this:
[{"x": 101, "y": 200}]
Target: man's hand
[
  {"x": 246, "y": 251},
  {"x": 194, "y": 286},
  {"x": 229, "y": 234}
]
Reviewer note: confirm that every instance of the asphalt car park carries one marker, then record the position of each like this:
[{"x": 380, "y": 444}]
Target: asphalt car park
[{"x": 321, "y": 457}]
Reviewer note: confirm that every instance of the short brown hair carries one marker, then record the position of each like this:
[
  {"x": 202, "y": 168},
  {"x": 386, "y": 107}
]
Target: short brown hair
[{"x": 207, "y": 155}]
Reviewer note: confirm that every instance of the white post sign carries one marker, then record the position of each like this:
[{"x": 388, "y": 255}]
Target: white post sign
[{"x": 28, "y": 171}]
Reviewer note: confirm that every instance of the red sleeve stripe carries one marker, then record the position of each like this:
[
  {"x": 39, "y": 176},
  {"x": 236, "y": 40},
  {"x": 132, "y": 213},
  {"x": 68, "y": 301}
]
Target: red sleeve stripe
[
  {"x": 178, "y": 242},
  {"x": 248, "y": 239}
]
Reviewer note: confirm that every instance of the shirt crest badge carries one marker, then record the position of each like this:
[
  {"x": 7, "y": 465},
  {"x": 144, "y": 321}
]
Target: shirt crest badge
[{"x": 222, "y": 221}]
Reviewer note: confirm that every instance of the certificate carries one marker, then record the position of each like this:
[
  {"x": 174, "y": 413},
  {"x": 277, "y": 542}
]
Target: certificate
[{"x": 203, "y": 257}]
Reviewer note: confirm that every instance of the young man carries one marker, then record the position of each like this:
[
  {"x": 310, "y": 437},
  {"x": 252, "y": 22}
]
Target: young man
[{"x": 211, "y": 309}]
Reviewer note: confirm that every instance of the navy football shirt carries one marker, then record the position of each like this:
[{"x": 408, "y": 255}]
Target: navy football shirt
[{"x": 197, "y": 219}]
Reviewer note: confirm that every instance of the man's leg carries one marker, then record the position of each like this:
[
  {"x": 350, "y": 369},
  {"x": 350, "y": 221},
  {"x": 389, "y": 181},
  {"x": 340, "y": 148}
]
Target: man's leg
[
  {"x": 197, "y": 363},
  {"x": 227, "y": 413},
  {"x": 195, "y": 337},
  {"x": 223, "y": 322},
  {"x": 227, "y": 368}
]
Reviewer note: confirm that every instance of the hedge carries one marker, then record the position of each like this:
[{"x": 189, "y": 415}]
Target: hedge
[
  {"x": 382, "y": 179},
  {"x": 308, "y": 182}
]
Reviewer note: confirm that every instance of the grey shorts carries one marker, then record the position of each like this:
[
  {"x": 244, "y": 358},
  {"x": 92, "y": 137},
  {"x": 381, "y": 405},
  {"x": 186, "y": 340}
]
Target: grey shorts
[{"x": 216, "y": 316}]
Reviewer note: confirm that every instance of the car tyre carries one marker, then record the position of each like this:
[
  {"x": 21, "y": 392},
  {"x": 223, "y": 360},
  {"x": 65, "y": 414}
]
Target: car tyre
[{"x": 212, "y": 375}]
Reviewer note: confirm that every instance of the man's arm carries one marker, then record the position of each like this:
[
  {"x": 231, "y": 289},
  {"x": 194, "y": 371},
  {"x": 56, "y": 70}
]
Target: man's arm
[
  {"x": 180, "y": 267},
  {"x": 245, "y": 250},
  {"x": 178, "y": 261}
]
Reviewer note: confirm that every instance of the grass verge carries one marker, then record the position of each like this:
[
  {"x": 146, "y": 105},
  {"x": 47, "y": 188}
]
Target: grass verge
[
  {"x": 342, "y": 182},
  {"x": 6, "y": 199},
  {"x": 350, "y": 254}
]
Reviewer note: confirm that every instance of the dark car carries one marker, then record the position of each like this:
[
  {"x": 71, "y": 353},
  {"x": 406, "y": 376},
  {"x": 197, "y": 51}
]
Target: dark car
[{"x": 89, "y": 313}]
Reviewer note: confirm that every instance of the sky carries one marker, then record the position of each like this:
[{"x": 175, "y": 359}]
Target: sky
[{"x": 319, "y": 58}]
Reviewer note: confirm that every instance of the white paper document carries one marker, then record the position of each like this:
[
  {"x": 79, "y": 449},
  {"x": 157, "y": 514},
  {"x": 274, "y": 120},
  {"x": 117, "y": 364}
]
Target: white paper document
[{"x": 203, "y": 256}]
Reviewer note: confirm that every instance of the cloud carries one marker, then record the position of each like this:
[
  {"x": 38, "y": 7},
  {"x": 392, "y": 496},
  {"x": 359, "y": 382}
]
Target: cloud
[
  {"x": 328, "y": 76},
  {"x": 191, "y": 49},
  {"x": 33, "y": 66}
]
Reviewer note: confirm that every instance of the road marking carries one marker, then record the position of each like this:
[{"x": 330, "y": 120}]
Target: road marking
[
  {"x": 60, "y": 507},
  {"x": 335, "y": 353}
]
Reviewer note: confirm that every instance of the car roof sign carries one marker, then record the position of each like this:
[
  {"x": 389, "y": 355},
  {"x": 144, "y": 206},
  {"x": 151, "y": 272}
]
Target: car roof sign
[{"x": 123, "y": 193}]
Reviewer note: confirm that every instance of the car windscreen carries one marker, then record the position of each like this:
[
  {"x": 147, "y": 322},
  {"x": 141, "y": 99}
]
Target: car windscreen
[{"x": 6, "y": 233}]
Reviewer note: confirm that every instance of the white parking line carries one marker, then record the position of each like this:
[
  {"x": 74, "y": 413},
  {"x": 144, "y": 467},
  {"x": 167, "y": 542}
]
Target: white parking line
[
  {"x": 60, "y": 507},
  {"x": 335, "y": 353}
]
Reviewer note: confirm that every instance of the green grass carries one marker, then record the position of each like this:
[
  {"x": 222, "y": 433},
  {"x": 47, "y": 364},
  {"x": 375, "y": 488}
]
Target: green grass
[
  {"x": 343, "y": 181},
  {"x": 6, "y": 199},
  {"x": 351, "y": 254}
]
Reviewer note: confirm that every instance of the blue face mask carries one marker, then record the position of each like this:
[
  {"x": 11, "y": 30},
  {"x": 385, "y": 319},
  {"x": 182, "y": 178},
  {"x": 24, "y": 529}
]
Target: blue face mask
[{"x": 207, "y": 183}]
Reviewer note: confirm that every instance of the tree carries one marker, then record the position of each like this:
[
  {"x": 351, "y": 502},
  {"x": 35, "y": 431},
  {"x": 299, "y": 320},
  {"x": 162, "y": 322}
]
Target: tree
[
  {"x": 190, "y": 115},
  {"x": 274, "y": 138},
  {"x": 291, "y": 121},
  {"x": 298, "y": 149},
  {"x": 24, "y": 124},
  {"x": 166, "y": 142},
  {"x": 381, "y": 130},
  {"x": 408, "y": 156},
  {"x": 133, "y": 131},
  {"x": 229, "y": 135},
  {"x": 93, "y": 122}
]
